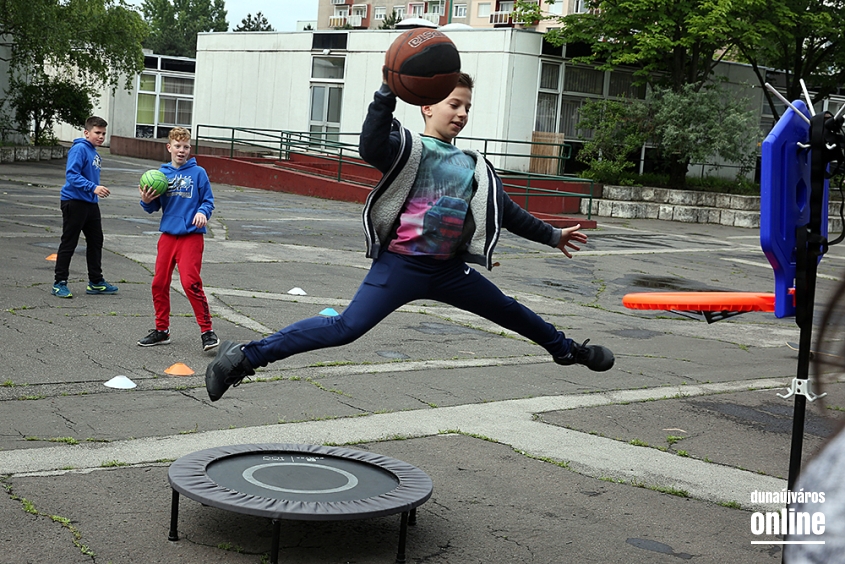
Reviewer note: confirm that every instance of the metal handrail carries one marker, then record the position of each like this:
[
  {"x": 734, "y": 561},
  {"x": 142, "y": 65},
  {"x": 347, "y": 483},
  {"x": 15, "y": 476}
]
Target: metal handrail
[{"x": 328, "y": 146}]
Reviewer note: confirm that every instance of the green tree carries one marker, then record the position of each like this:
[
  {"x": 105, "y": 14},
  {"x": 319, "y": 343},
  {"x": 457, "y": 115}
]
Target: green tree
[
  {"x": 44, "y": 100},
  {"x": 800, "y": 38},
  {"x": 672, "y": 44},
  {"x": 98, "y": 40},
  {"x": 174, "y": 24},
  {"x": 390, "y": 21},
  {"x": 687, "y": 126},
  {"x": 61, "y": 51},
  {"x": 258, "y": 23}
]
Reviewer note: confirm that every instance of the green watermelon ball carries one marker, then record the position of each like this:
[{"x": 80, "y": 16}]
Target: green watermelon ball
[{"x": 156, "y": 180}]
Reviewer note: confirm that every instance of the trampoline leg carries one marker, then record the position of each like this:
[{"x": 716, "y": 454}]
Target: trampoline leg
[
  {"x": 277, "y": 532},
  {"x": 412, "y": 518},
  {"x": 403, "y": 534},
  {"x": 174, "y": 517}
]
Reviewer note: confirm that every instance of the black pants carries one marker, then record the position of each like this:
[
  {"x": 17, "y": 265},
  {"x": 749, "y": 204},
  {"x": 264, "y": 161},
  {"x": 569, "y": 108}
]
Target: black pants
[{"x": 81, "y": 217}]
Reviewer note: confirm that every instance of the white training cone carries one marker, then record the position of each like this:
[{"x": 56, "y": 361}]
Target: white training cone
[
  {"x": 121, "y": 383},
  {"x": 297, "y": 291}
]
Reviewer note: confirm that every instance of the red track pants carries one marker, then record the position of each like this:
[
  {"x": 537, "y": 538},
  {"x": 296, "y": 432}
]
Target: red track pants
[{"x": 184, "y": 251}]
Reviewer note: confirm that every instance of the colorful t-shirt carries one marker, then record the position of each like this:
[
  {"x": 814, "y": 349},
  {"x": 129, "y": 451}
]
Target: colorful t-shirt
[{"x": 432, "y": 218}]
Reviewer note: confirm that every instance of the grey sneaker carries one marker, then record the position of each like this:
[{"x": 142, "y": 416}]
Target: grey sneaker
[
  {"x": 155, "y": 337},
  {"x": 594, "y": 357},
  {"x": 228, "y": 368}
]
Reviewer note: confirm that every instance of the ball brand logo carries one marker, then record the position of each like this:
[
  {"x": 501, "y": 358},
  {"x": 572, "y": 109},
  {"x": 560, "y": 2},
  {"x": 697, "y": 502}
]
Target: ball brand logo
[{"x": 418, "y": 40}]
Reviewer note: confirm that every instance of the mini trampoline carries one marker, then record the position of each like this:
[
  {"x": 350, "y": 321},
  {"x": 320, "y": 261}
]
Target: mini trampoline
[{"x": 299, "y": 482}]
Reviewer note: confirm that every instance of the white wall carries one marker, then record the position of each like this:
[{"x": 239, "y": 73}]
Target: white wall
[{"x": 262, "y": 80}]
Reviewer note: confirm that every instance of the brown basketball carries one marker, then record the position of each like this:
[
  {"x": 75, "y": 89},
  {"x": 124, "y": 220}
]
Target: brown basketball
[{"x": 422, "y": 66}]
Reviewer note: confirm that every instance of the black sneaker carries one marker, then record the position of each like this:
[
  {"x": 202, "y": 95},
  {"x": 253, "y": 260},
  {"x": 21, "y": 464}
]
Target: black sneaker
[
  {"x": 155, "y": 337},
  {"x": 228, "y": 368},
  {"x": 594, "y": 357},
  {"x": 209, "y": 340}
]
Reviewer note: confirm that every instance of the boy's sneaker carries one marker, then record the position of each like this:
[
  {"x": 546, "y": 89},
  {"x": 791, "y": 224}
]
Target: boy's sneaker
[
  {"x": 209, "y": 340},
  {"x": 594, "y": 357},
  {"x": 228, "y": 368},
  {"x": 101, "y": 287},
  {"x": 61, "y": 290},
  {"x": 155, "y": 337}
]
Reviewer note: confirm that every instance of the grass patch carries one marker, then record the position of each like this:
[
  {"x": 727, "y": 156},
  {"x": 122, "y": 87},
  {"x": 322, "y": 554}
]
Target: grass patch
[
  {"x": 638, "y": 442},
  {"x": 113, "y": 464}
]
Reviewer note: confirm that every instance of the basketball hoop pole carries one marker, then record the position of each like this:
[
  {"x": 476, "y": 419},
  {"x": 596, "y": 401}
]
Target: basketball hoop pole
[{"x": 810, "y": 245}]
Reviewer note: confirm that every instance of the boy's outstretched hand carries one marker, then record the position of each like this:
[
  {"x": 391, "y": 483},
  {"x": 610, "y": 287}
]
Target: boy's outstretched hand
[{"x": 568, "y": 237}]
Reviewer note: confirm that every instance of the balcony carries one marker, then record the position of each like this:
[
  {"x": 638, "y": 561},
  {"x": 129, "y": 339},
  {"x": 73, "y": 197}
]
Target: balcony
[
  {"x": 501, "y": 19},
  {"x": 339, "y": 2},
  {"x": 433, "y": 17},
  {"x": 341, "y": 21}
]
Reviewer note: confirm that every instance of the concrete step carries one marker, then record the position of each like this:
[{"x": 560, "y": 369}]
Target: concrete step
[{"x": 686, "y": 206}]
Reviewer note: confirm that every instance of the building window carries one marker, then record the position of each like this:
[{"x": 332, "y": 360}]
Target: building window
[
  {"x": 165, "y": 96},
  {"x": 327, "y": 67},
  {"x": 580, "y": 6},
  {"x": 147, "y": 83},
  {"x": 583, "y": 80},
  {"x": 484, "y": 10},
  {"x": 547, "y": 98},
  {"x": 400, "y": 13},
  {"x": 622, "y": 86},
  {"x": 459, "y": 11},
  {"x": 379, "y": 12},
  {"x": 435, "y": 7}
]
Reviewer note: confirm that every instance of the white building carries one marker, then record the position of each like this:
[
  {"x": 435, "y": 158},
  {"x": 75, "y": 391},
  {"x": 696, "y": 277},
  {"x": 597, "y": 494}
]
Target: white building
[
  {"x": 159, "y": 98},
  {"x": 323, "y": 81}
]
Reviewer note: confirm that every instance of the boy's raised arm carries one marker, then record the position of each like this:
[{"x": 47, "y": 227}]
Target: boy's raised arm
[{"x": 379, "y": 141}]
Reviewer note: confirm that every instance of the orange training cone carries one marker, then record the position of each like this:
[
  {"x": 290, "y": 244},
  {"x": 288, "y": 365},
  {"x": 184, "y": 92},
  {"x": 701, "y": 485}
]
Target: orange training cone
[
  {"x": 179, "y": 369},
  {"x": 52, "y": 257}
]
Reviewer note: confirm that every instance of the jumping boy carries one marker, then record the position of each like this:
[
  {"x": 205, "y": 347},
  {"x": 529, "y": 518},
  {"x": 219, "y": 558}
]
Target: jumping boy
[
  {"x": 435, "y": 208},
  {"x": 185, "y": 208},
  {"x": 80, "y": 198}
]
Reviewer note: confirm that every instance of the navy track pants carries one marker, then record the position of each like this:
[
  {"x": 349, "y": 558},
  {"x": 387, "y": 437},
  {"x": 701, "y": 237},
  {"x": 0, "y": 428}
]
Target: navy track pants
[{"x": 395, "y": 280}]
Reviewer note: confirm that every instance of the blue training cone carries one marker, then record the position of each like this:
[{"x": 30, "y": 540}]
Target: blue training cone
[{"x": 329, "y": 312}]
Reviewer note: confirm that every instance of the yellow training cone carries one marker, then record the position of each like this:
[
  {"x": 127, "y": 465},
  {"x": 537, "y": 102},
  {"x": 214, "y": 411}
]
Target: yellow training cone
[
  {"x": 179, "y": 369},
  {"x": 52, "y": 257}
]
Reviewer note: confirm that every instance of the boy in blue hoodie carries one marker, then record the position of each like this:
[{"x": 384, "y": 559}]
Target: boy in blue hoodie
[
  {"x": 81, "y": 211},
  {"x": 185, "y": 208}
]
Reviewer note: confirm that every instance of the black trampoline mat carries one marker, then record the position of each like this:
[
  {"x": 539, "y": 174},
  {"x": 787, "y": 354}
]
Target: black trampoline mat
[
  {"x": 302, "y": 482},
  {"x": 295, "y": 476}
]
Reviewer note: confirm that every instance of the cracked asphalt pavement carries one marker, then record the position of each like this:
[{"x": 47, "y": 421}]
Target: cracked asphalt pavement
[{"x": 532, "y": 462}]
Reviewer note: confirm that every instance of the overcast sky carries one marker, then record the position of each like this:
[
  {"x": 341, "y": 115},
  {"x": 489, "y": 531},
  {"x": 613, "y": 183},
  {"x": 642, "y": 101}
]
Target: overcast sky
[{"x": 282, "y": 14}]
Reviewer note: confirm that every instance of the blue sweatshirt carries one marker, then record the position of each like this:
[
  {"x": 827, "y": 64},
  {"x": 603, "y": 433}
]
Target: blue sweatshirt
[
  {"x": 83, "y": 172},
  {"x": 188, "y": 192}
]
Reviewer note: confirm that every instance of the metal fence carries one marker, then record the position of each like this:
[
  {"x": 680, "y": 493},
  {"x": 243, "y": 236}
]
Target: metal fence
[{"x": 341, "y": 151}]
